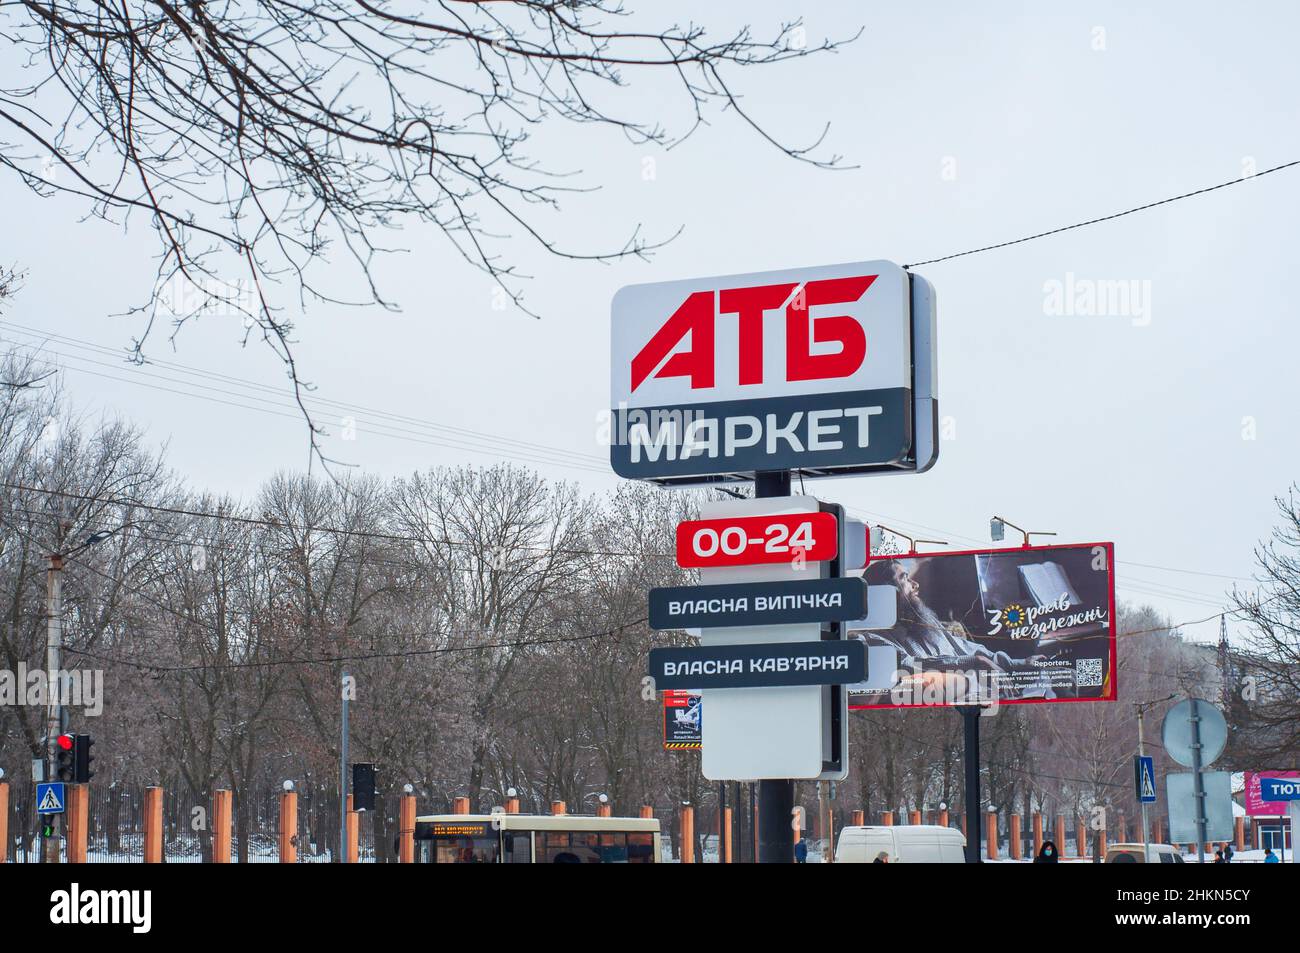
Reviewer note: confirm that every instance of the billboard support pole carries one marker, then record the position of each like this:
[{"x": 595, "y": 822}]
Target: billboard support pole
[
  {"x": 775, "y": 796},
  {"x": 970, "y": 715}
]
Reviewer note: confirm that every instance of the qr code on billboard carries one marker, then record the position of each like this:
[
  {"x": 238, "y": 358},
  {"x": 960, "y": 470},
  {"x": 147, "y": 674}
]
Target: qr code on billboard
[{"x": 1087, "y": 672}]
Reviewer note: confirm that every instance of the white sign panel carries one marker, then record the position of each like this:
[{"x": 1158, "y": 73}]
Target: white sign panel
[
  {"x": 807, "y": 368},
  {"x": 755, "y": 733}
]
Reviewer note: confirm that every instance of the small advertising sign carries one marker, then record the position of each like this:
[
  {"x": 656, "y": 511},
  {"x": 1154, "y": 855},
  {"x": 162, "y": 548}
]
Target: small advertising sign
[
  {"x": 1255, "y": 803},
  {"x": 683, "y": 721}
]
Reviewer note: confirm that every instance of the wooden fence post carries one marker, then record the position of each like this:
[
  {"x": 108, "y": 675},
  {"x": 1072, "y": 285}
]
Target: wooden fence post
[
  {"x": 353, "y": 839},
  {"x": 859, "y": 818},
  {"x": 512, "y": 805},
  {"x": 604, "y": 810},
  {"x": 1239, "y": 832},
  {"x": 1038, "y": 831},
  {"x": 78, "y": 817},
  {"x": 991, "y": 834},
  {"x": 289, "y": 827},
  {"x": 647, "y": 811},
  {"x": 887, "y": 818},
  {"x": 1080, "y": 837},
  {"x": 942, "y": 820},
  {"x": 460, "y": 805},
  {"x": 1060, "y": 835},
  {"x": 406, "y": 829},
  {"x": 726, "y": 835},
  {"x": 914, "y": 817},
  {"x": 1014, "y": 836},
  {"x": 221, "y": 801},
  {"x": 4, "y": 821},
  {"x": 558, "y": 807},
  {"x": 153, "y": 825},
  {"x": 688, "y": 834}
]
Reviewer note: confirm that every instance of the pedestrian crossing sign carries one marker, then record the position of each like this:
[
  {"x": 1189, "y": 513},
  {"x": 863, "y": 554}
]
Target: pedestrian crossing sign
[
  {"x": 50, "y": 798},
  {"x": 1144, "y": 779}
]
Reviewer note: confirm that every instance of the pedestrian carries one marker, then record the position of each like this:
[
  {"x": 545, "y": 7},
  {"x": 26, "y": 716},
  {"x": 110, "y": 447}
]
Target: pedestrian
[
  {"x": 801, "y": 852},
  {"x": 1270, "y": 857},
  {"x": 1046, "y": 853},
  {"x": 1227, "y": 853},
  {"x": 1218, "y": 857}
]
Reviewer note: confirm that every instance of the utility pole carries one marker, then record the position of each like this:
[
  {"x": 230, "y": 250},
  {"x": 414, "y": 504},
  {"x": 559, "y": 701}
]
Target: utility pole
[
  {"x": 1142, "y": 708},
  {"x": 53, "y": 666},
  {"x": 1146, "y": 837},
  {"x": 775, "y": 795}
]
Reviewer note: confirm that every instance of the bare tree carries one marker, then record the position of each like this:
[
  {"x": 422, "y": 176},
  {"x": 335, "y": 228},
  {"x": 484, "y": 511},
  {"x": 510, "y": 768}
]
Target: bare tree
[
  {"x": 265, "y": 141},
  {"x": 1265, "y": 697}
]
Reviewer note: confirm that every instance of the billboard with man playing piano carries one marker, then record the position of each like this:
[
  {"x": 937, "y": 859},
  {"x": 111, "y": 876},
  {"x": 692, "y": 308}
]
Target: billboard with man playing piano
[{"x": 1033, "y": 624}]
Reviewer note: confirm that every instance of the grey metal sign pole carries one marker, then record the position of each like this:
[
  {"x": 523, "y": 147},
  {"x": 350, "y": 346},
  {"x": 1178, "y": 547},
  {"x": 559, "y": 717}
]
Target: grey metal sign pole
[
  {"x": 775, "y": 796},
  {"x": 1198, "y": 781}
]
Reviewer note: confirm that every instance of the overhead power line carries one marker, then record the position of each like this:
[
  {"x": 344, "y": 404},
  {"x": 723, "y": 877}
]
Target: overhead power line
[
  {"x": 353, "y": 657},
  {"x": 1103, "y": 218}
]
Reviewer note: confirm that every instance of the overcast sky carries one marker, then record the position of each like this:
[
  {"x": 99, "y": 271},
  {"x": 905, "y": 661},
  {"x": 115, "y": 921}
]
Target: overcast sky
[{"x": 1167, "y": 429}]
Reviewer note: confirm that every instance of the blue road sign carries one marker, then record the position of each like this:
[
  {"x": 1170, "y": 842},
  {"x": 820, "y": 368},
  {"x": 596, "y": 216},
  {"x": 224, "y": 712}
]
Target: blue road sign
[
  {"x": 50, "y": 798},
  {"x": 1144, "y": 779},
  {"x": 1279, "y": 789}
]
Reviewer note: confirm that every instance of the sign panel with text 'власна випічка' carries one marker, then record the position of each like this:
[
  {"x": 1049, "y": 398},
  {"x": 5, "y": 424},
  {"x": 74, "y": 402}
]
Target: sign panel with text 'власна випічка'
[{"x": 806, "y": 368}]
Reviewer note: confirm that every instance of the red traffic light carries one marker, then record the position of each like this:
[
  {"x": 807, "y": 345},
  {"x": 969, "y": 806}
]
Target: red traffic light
[{"x": 64, "y": 741}]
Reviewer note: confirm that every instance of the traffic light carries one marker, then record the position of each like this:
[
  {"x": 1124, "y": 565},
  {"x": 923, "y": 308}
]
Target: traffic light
[
  {"x": 81, "y": 773},
  {"x": 363, "y": 787},
  {"x": 64, "y": 758}
]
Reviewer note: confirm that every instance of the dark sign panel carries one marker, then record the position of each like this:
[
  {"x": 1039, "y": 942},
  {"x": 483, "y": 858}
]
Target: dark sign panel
[
  {"x": 683, "y": 721},
  {"x": 829, "y": 662},
  {"x": 757, "y": 603},
  {"x": 1035, "y": 624}
]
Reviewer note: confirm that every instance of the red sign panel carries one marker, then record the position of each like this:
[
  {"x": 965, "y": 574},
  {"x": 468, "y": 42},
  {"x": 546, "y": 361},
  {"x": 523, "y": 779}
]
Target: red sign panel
[{"x": 756, "y": 540}]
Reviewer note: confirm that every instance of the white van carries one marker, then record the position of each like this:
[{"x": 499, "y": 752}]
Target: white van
[{"x": 906, "y": 844}]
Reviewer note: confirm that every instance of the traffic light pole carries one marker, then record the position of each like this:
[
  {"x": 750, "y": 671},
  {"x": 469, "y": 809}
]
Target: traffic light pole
[
  {"x": 775, "y": 796},
  {"x": 50, "y": 845}
]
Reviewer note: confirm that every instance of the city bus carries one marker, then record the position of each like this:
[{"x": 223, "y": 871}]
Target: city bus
[{"x": 535, "y": 839}]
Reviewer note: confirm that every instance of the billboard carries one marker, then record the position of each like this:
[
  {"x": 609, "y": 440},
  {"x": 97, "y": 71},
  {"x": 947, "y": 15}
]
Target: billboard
[
  {"x": 1254, "y": 803},
  {"x": 804, "y": 368},
  {"x": 1033, "y": 624}
]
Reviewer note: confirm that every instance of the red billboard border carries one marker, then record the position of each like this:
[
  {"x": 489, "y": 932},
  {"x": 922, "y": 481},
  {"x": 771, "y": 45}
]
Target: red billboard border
[{"x": 1114, "y": 632}]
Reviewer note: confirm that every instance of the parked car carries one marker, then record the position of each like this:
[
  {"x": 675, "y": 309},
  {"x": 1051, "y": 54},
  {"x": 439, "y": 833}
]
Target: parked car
[
  {"x": 907, "y": 844},
  {"x": 1132, "y": 854}
]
